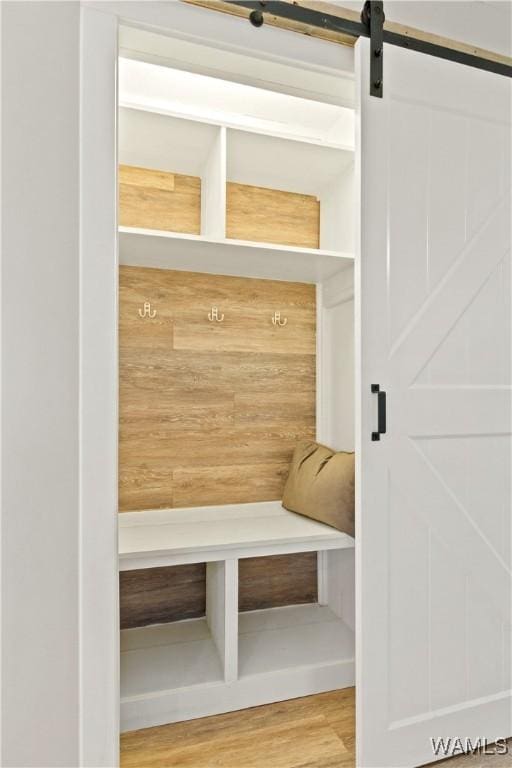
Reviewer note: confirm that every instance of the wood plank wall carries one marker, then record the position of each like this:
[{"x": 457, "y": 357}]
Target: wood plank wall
[
  {"x": 172, "y": 202},
  {"x": 272, "y": 216},
  {"x": 206, "y": 412},
  {"x": 159, "y": 200},
  {"x": 207, "y": 416},
  {"x": 159, "y": 595}
]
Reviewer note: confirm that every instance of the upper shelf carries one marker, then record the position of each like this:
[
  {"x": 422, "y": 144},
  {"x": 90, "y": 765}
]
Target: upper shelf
[
  {"x": 203, "y": 534},
  {"x": 246, "y": 171},
  {"x": 193, "y": 253}
]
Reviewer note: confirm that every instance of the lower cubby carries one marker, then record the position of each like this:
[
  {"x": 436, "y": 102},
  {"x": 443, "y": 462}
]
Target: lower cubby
[
  {"x": 173, "y": 672},
  {"x": 168, "y": 657},
  {"x": 231, "y": 660},
  {"x": 290, "y": 637}
]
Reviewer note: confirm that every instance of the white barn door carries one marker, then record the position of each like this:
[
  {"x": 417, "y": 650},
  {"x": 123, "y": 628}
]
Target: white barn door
[{"x": 434, "y": 501}]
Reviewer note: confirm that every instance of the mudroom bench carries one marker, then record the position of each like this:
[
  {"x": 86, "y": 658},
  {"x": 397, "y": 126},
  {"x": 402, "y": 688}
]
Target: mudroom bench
[{"x": 229, "y": 660}]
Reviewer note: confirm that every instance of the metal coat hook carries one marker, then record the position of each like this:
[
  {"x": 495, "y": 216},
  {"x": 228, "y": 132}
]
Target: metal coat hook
[
  {"x": 276, "y": 319},
  {"x": 147, "y": 311},
  {"x": 214, "y": 315}
]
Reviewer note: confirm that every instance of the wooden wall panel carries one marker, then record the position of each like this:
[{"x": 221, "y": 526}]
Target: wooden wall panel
[
  {"x": 268, "y": 582},
  {"x": 159, "y": 595},
  {"x": 159, "y": 200},
  {"x": 172, "y": 202},
  {"x": 210, "y": 414},
  {"x": 205, "y": 408},
  {"x": 272, "y": 216}
]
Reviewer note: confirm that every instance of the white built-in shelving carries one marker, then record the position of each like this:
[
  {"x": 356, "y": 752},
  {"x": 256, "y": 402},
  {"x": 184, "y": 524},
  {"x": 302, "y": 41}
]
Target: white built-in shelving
[{"x": 228, "y": 132}]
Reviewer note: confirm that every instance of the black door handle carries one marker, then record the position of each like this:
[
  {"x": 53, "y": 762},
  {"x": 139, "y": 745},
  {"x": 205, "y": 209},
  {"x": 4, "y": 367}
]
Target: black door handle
[{"x": 381, "y": 407}]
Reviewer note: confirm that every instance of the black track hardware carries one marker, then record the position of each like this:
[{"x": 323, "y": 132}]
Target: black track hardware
[
  {"x": 321, "y": 20},
  {"x": 256, "y": 18},
  {"x": 372, "y": 17},
  {"x": 381, "y": 412}
]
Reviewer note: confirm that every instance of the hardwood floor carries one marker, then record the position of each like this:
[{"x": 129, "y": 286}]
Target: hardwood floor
[{"x": 312, "y": 732}]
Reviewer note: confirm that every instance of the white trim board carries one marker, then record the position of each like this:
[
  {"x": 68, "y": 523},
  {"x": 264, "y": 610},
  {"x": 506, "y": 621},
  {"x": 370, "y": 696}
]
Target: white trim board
[
  {"x": 176, "y": 705},
  {"x": 330, "y": 81},
  {"x": 98, "y": 422}
]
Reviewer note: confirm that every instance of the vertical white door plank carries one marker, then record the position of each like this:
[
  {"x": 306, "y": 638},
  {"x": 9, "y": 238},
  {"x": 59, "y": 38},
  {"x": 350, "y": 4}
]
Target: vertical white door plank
[{"x": 213, "y": 189}]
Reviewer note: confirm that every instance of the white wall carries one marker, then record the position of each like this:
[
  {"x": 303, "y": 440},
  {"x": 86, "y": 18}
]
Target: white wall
[{"x": 39, "y": 551}]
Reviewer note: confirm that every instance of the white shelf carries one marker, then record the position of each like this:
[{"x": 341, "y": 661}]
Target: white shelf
[
  {"x": 194, "y": 253},
  {"x": 292, "y": 636},
  {"x": 206, "y": 534},
  {"x": 151, "y": 136},
  {"x": 167, "y": 657}
]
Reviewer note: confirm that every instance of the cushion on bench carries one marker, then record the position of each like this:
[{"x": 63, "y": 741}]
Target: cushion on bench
[{"x": 320, "y": 485}]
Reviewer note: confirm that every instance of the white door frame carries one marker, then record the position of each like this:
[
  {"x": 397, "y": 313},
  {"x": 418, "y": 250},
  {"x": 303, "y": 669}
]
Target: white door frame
[{"x": 98, "y": 579}]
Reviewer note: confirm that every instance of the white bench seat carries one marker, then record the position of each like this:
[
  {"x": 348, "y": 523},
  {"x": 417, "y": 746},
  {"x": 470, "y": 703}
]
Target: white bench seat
[{"x": 203, "y": 534}]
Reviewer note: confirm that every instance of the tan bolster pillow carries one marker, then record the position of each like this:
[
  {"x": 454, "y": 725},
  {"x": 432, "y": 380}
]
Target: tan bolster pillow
[{"x": 320, "y": 485}]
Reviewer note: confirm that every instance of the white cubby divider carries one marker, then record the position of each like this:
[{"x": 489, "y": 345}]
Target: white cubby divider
[
  {"x": 222, "y": 612},
  {"x": 213, "y": 189}
]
